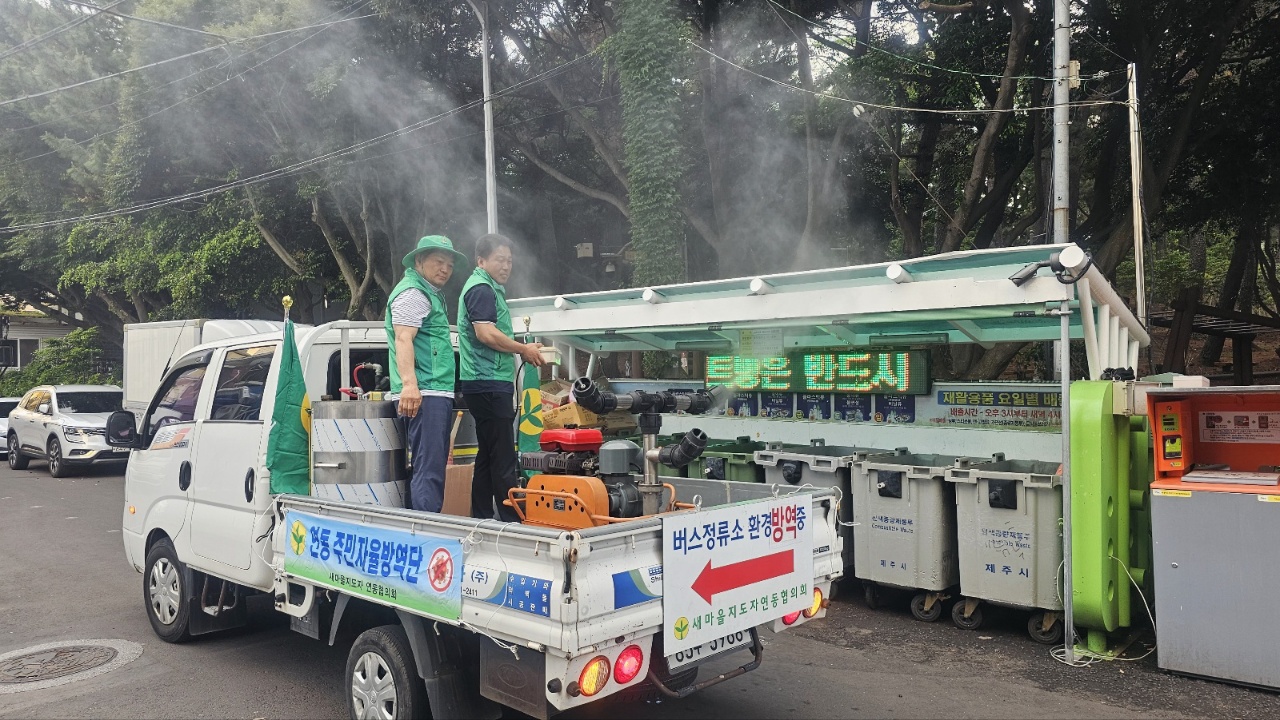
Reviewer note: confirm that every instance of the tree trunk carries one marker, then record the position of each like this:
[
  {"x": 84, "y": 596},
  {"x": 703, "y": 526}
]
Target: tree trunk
[{"x": 1241, "y": 259}]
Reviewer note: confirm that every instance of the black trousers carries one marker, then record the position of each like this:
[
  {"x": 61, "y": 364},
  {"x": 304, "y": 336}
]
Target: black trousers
[{"x": 496, "y": 469}]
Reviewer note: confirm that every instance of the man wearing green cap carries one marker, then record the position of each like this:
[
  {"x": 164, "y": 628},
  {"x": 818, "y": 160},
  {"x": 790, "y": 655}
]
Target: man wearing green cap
[
  {"x": 422, "y": 363},
  {"x": 486, "y": 344}
]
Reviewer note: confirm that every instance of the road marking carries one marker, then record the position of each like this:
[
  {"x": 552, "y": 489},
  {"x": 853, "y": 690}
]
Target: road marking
[
  {"x": 72, "y": 517},
  {"x": 36, "y": 507}
]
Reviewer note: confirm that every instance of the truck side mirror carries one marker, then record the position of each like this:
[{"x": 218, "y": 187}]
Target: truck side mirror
[
  {"x": 122, "y": 430},
  {"x": 43, "y": 409}
]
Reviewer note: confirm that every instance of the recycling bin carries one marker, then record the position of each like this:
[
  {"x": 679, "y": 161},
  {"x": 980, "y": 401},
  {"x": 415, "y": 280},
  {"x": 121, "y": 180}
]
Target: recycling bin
[
  {"x": 729, "y": 460},
  {"x": 904, "y": 515},
  {"x": 823, "y": 466},
  {"x": 1009, "y": 533}
]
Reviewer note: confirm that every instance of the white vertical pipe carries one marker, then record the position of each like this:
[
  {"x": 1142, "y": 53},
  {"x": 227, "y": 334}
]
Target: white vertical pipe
[
  {"x": 1118, "y": 350},
  {"x": 1085, "y": 295},
  {"x": 344, "y": 363},
  {"x": 1133, "y": 356},
  {"x": 1068, "y": 610},
  {"x": 1104, "y": 336}
]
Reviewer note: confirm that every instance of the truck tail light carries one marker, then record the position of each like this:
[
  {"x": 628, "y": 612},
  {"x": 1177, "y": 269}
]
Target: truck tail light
[
  {"x": 816, "y": 607},
  {"x": 594, "y": 676},
  {"x": 628, "y": 665},
  {"x": 791, "y": 618}
]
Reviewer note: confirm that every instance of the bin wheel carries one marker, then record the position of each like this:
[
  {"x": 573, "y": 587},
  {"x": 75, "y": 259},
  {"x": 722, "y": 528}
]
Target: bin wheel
[
  {"x": 1035, "y": 628},
  {"x": 973, "y": 622},
  {"x": 871, "y": 594},
  {"x": 918, "y": 608}
]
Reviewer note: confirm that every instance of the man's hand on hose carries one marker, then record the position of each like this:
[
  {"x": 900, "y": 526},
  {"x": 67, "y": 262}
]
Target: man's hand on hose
[{"x": 410, "y": 401}]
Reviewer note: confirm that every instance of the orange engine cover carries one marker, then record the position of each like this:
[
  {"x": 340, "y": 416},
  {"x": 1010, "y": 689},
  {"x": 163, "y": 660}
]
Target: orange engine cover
[{"x": 566, "y": 502}]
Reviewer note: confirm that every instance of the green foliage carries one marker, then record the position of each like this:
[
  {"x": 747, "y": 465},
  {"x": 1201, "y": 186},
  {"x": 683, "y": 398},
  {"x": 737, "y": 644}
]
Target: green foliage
[
  {"x": 647, "y": 51},
  {"x": 69, "y": 360}
]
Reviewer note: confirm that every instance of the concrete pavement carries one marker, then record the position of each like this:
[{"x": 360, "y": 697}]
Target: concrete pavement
[{"x": 63, "y": 577}]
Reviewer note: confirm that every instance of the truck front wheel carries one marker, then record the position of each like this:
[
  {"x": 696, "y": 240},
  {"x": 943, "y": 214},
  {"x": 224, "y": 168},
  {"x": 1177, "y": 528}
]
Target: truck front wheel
[
  {"x": 382, "y": 677},
  {"x": 165, "y": 593}
]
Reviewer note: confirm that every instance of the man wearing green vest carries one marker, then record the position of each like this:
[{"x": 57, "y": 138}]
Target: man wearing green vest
[
  {"x": 485, "y": 346},
  {"x": 422, "y": 363}
]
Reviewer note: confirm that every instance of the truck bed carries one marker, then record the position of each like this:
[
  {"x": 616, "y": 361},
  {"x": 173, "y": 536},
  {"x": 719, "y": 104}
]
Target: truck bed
[{"x": 553, "y": 591}]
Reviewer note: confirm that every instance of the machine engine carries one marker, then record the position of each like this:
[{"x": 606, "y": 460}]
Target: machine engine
[{"x": 584, "y": 481}]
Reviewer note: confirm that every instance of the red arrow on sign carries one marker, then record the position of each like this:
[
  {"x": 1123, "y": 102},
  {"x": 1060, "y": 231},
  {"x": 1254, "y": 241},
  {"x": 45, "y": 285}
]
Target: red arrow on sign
[{"x": 741, "y": 574}]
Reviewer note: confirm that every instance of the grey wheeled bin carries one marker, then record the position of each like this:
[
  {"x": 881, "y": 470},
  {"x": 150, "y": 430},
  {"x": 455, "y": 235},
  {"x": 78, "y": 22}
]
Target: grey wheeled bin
[
  {"x": 904, "y": 515},
  {"x": 1009, "y": 527},
  {"x": 823, "y": 466}
]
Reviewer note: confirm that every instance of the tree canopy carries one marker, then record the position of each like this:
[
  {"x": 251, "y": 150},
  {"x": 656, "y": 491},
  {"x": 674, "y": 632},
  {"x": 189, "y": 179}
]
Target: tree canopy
[{"x": 230, "y": 152}]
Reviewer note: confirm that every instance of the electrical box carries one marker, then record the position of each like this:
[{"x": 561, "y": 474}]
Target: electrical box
[{"x": 1215, "y": 513}]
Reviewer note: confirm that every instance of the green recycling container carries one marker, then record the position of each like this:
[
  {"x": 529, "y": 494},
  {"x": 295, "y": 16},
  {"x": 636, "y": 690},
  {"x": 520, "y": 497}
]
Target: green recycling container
[{"x": 729, "y": 460}]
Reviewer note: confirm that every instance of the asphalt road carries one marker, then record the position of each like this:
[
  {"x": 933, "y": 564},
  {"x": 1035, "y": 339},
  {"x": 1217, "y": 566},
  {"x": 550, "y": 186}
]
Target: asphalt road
[{"x": 63, "y": 577}]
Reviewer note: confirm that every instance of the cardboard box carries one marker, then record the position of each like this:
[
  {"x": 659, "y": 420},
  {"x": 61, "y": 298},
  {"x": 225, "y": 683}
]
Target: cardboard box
[
  {"x": 555, "y": 394},
  {"x": 618, "y": 421},
  {"x": 570, "y": 414},
  {"x": 457, "y": 490}
]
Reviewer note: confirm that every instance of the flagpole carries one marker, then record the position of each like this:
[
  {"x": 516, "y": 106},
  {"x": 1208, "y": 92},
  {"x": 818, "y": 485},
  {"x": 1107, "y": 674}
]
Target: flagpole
[{"x": 287, "y": 302}]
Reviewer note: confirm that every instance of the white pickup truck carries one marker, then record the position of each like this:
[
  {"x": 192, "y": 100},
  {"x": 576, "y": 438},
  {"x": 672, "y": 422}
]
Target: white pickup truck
[{"x": 451, "y": 615}]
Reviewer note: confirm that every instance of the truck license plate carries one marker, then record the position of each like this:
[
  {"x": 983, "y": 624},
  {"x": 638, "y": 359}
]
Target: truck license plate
[{"x": 708, "y": 650}]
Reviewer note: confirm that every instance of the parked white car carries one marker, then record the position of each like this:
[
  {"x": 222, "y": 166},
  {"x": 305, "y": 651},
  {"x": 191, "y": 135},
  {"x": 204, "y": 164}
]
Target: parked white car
[
  {"x": 7, "y": 404},
  {"x": 65, "y": 425}
]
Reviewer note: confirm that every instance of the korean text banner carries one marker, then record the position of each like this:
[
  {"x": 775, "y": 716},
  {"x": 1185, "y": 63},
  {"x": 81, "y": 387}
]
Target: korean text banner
[
  {"x": 734, "y": 567},
  {"x": 417, "y": 572}
]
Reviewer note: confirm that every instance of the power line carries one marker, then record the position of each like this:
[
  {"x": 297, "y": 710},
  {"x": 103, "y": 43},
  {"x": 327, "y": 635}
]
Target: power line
[
  {"x": 150, "y": 90},
  {"x": 880, "y": 106},
  {"x": 242, "y": 73},
  {"x": 148, "y": 21},
  {"x": 154, "y": 64},
  {"x": 301, "y": 165},
  {"x": 27, "y": 45},
  {"x": 920, "y": 63}
]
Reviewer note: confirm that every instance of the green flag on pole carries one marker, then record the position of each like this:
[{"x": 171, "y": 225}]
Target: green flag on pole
[
  {"x": 289, "y": 444},
  {"x": 530, "y": 412}
]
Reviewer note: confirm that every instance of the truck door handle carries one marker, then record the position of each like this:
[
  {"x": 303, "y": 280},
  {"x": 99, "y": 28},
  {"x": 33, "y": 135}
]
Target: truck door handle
[
  {"x": 248, "y": 486},
  {"x": 184, "y": 475}
]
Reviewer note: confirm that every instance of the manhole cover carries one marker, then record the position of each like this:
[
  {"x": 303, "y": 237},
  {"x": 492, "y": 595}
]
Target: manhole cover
[
  {"x": 59, "y": 663},
  {"x": 54, "y": 663}
]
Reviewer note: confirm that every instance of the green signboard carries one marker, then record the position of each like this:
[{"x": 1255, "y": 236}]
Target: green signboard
[{"x": 882, "y": 372}]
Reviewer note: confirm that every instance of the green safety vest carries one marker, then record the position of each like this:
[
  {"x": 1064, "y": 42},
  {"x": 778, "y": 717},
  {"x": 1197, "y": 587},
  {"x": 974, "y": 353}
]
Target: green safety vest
[
  {"x": 433, "y": 360},
  {"x": 479, "y": 361}
]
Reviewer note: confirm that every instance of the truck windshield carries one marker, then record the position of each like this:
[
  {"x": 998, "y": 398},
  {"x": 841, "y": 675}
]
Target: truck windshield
[
  {"x": 6, "y": 407},
  {"x": 89, "y": 402}
]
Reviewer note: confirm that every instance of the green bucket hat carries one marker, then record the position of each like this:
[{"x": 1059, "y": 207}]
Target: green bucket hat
[{"x": 433, "y": 242}]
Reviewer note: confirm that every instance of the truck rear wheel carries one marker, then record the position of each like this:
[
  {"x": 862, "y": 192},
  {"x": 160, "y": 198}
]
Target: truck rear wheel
[
  {"x": 383, "y": 682},
  {"x": 165, "y": 593}
]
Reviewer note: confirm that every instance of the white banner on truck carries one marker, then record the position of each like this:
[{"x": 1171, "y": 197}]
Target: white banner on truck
[{"x": 735, "y": 567}]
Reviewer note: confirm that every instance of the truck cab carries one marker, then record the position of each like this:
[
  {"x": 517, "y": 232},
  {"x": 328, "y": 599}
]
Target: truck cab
[{"x": 197, "y": 476}]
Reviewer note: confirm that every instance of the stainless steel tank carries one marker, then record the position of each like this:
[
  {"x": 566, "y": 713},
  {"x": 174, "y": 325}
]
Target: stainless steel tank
[{"x": 356, "y": 442}]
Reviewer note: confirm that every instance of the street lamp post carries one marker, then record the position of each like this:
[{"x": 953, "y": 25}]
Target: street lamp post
[{"x": 481, "y": 8}]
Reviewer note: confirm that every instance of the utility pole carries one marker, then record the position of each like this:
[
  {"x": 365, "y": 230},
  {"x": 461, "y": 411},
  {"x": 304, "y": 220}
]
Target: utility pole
[
  {"x": 1061, "y": 220},
  {"x": 1135, "y": 181},
  {"x": 1061, "y": 121},
  {"x": 481, "y": 9}
]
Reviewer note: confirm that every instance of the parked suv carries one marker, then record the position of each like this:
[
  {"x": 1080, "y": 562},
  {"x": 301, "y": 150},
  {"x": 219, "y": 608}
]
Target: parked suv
[
  {"x": 64, "y": 424},
  {"x": 7, "y": 404}
]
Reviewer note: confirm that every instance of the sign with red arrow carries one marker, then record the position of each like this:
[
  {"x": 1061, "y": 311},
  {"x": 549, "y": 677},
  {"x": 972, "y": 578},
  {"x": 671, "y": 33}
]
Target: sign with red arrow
[
  {"x": 741, "y": 574},
  {"x": 734, "y": 567}
]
